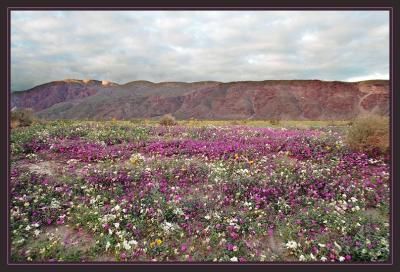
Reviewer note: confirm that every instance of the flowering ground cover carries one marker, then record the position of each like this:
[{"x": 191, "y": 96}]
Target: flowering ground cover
[{"x": 123, "y": 191}]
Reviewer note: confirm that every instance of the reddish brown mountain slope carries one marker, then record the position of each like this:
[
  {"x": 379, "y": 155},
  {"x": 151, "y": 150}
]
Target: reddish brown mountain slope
[{"x": 282, "y": 99}]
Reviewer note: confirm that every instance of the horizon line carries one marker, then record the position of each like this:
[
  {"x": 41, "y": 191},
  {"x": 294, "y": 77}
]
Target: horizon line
[{"x": 109, "y": 82}]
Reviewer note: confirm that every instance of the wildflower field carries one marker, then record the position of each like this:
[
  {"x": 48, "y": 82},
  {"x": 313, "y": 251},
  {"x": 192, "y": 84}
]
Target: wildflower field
[{"x": 140, "y": 192}]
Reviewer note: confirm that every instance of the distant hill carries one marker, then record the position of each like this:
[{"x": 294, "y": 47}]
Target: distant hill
[{"x": 271, "y": 99}]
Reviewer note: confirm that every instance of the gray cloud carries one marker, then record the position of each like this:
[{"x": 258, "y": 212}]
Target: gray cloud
[{"x": 122, "y": 46}]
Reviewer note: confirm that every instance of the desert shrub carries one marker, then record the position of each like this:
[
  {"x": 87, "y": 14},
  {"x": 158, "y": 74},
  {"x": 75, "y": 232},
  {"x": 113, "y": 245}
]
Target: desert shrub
[
  {"x": 331, "y": 123},
  {"x": 21, "y": 118},
  {"x": 167, "y": 120},
  {"x": 275, "y": 122},
  {"x": 369, "y": 134},
  {"x": 15, "y": 123}
]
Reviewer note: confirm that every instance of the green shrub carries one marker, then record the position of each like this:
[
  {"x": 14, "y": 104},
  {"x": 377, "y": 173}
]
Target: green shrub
[
  {"x": 167, "y": 120},
  {"x": 369, "y": 134}
]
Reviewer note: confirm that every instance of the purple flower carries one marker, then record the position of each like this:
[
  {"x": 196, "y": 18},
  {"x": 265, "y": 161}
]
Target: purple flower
[
  {"x": 230, "y": 247},
  {"x": 234, "y": 235},
  {"x": 183, "y": 247}
]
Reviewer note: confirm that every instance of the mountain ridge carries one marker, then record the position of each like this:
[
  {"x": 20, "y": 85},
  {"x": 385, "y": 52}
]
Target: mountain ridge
[{"x": 268, "y": 99}]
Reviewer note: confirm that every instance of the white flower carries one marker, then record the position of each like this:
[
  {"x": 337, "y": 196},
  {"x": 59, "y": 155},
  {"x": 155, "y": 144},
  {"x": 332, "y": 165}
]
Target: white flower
[
  {"x": 302, "y": 258},
  {"x": 291, "y": 245},
  {"x": 126, "y": 245},
  {"x": 235, "y": 248},
  {"x": 117, "y": 208},
  {"x": 321, "y": 245},
  {"x": 323, "y": 259},
  {"x": 133, "y": 242},
  {"x": 341, "y": 258},
  {"x": 37, "y": 232},
  {"x": 116, "y": 225},
  {"x": 108, "y": 245},
  {"x": 234, "y": 259}
]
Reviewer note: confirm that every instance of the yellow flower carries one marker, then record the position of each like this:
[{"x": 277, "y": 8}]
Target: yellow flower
[
  {"x": 133, "y": 160},
  {"x": 159, "y": 242},
  {"x": 251, "y": 162},
  {"x": 152, "y": 244}
]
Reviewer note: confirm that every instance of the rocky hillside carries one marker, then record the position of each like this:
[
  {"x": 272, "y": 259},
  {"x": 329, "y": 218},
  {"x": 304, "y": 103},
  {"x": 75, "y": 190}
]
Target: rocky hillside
[{"x": 272, "y": 99}]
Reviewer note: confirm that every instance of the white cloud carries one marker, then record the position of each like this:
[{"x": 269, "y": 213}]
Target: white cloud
[
  {"x": 197, "y": 45},
  {"x": 368, "y": 77}
]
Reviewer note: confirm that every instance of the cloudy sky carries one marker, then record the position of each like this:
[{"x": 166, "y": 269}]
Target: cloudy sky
[{"x": 123, "y": 46}]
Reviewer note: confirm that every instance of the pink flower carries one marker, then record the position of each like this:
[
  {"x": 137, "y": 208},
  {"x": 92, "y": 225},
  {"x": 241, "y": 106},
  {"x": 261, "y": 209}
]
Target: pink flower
[
  {"x": 229, "y": 247},
  {"x": 234, "y": 235},
  {"x": 314, "y": 250},
  {"x": 183, "y": 247},
  {"x": 106, "y": 226}
]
